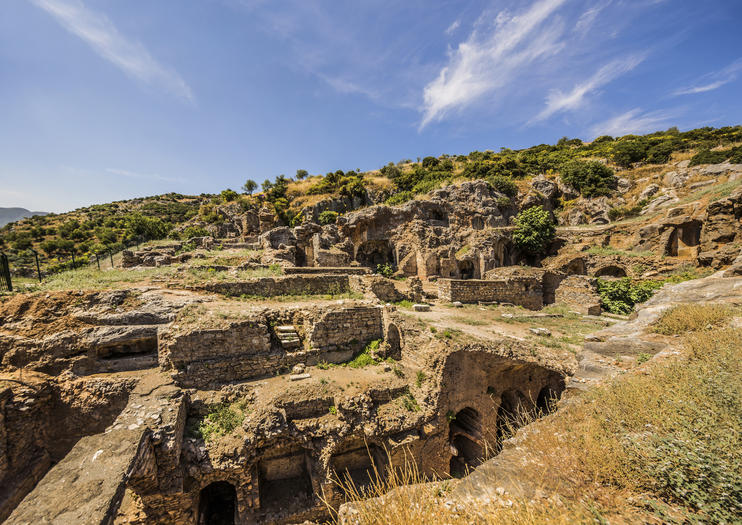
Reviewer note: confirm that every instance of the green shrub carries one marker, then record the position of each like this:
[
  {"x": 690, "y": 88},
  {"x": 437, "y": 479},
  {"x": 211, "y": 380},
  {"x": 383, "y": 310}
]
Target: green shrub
[
  {"x": 621, "y": 295},
  {"x": 328, "y": 217},
  {"x": 193, "y": 231},
  {"x": 222, "y": 420},
  {"x": 623, "y": 212},
  {"x": 503, "y": 184},
  {"x": 591, "y": 179},
  {"x": 385, "y": 270},
  {"x": 229, "y": 195},
  {"x": 710, "y": 157},
  {"x": 399, "y": 198},
  {"x": 534, "y": 230},
  {"x": 628, "y": 151}
]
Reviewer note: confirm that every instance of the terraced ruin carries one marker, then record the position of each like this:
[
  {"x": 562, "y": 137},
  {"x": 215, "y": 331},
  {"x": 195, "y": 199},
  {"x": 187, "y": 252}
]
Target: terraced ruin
[{"x": 242, "y": 377}]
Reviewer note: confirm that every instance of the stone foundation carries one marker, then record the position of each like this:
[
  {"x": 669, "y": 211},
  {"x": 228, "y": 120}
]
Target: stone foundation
[
  {"x": 518, "y": 290},
  {"x": 289, "y": 285}
]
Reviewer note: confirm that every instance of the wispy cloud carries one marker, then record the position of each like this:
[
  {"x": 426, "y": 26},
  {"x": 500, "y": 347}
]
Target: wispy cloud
[
  {"x": 143, "y": 176},
  {"x": 558, "y": 101},
  {"x": 491, "y": 57},
  {"x": 453, "y": 27},
  {"x": 633, "y": 121},
  {"x": 714, "y": 80},
  {"x": 588, "y": 17},
  {"x": 128, "y": 55}
]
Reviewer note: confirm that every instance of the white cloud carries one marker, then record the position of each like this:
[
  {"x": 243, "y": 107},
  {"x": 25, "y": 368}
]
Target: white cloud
[
  {"x": 714, "y": 81},
  {"x": 633, "y": 122},
  {"x": 491, "y": 58},
  {"x": 587, "y": 19},
  {"x": 129, "y": 56},
  {"x": 453, "y": 27},
  {"x": 558, "y": 101}
]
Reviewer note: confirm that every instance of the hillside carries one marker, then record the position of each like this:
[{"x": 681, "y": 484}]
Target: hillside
[
  {"x": 606, "y": 181},
  {"x": 15, "y": 214},
  {"x": 388, "y": 328}
]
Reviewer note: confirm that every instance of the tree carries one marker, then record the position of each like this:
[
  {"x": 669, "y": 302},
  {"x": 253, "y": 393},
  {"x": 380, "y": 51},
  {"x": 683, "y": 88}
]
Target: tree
[
  {"x": 301, "y": 174},
  {"x": 534, "y": 230},
  {"x": 250, "y": 186},
  {"x": 591, "y": 179},
  {"x": 229, "y": 195}
]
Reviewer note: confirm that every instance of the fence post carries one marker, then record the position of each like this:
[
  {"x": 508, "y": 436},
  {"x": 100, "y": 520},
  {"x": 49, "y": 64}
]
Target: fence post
[
  {"x": 5, "y": 272},
  {"x": 111, "y": 254},
  {"x": 97, "y": 259},
  {"x": 38, "y": 267}
]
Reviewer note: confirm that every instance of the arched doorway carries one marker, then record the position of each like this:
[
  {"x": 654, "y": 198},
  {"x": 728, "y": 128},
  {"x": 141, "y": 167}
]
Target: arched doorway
[
  {"x": 512, "y": 413},
  {"x": 611, "y": 271},
  {"x": 373, "y": 253},
  {"x": 465, "y": 441},
  {"x": 217, "y": 504},
  {"x": 393, "y": 340},
  {"x": 466, "y": 269},
  {"x": 547, "y": 400}
]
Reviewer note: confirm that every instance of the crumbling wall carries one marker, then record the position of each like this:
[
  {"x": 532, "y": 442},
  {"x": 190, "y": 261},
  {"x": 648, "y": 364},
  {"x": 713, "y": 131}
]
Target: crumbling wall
[
  {"x": 522, "y": 291},
  {"x": 580, "y": 293},
  {"x": 349, "y": 328},
  {"x": 288, "y": 285}
]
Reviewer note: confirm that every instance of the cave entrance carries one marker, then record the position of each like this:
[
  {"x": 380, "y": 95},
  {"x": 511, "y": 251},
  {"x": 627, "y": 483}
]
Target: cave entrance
[
  {"x": 466, "y": 269},
  {"x": 217, "y": 504},
  {"x": 284, "y": 482},
  {"x": 683, "y": 239},
  {"x": 512, "y": 414},
  {"x": 373, "y": 253},
  {"x": 611, "y": 271},
  {"x": 465, "y": 440},
  {"x": 547, "y": 400},
  {"x": 361, "y": 467},
  {"x": 576, "y": 267}
]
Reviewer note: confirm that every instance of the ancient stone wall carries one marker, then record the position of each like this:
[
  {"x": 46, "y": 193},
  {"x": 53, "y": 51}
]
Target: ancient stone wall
[
  {"x": 253, "y": 347},
  {"x": 349, "y": 328},
  {"x": 522, "y": 291},
  {"x": 580, "y": 293},
  {"x": 288, "y": 285}
]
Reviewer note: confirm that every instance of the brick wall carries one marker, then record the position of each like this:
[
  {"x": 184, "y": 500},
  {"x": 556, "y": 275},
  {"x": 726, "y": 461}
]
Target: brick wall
[{"x": 523, "y": 291}]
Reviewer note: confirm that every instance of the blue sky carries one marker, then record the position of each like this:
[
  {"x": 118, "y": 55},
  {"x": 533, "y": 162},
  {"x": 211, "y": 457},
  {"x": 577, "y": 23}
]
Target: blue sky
[{"x": 102, "y": 100}]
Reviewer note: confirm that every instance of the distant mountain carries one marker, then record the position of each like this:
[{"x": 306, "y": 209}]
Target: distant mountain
[{"x": 15, "y": 214}]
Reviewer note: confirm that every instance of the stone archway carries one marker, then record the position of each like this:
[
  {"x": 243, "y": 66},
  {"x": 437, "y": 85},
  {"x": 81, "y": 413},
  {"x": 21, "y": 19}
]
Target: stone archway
[
  {"x": 465, "y": 441},
  {"x": 611, "y": 271},
  {"x": 394, "y": 341},
  {"x": 546, "y": 400},
  {"x": 511, "y": 414},
  {"x": 466, "y": 269},
  {"x": 373, "y": 253},
  {"x": 217, "y": 504}
]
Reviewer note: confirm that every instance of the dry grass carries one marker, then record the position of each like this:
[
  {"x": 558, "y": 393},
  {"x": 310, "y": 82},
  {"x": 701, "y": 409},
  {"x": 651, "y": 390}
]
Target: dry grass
[
  {"x": 660, "y": 445},
  {"x": 692, "y": 318}
]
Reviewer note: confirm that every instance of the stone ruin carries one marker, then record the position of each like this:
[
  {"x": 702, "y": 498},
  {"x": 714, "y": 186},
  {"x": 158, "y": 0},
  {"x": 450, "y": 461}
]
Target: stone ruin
[
  {"x": 101, "y": 391},
  {"x": 132, "y": 434}
]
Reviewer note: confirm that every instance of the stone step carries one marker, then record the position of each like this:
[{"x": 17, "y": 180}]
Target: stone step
[
  {"x": 288, "y": 328},
  {"x": 286, "y": 340}
]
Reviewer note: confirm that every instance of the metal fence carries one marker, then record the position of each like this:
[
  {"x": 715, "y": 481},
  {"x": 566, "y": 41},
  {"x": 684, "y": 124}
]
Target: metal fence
[{"x": 6, "y": 285}]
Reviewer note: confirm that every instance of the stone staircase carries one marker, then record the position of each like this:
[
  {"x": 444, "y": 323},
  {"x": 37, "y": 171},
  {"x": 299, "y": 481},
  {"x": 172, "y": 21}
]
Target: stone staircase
[{"x": 289, "y": 337}]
